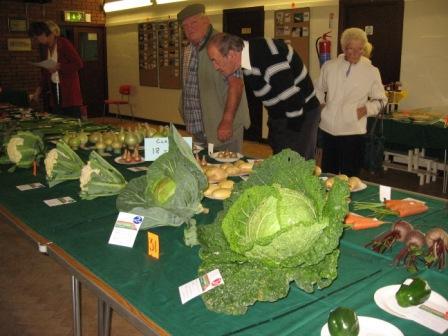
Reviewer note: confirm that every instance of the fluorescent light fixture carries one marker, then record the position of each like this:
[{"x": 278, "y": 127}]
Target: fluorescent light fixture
[
  {"x": 162, "y": 2},
  {"x": 114, "y": 6}
]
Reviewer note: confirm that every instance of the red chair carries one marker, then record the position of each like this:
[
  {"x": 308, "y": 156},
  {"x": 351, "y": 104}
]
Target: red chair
[{"x": 125, "y": 92}]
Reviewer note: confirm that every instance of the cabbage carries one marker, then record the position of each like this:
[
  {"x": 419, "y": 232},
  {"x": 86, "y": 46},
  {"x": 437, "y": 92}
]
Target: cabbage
[
  {"x": 171, "y": 192},
  {"x": 278, "y": 227}
]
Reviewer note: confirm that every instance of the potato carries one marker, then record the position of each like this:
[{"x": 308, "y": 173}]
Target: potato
[
  {"x": 329, "y": 183},
  {"x": 317, "y": 171},
  {"x": 216, "y": 174},
  {"x": 343, "y": 177},
  {"x": 246, "y": 167},
  {"x": 221, "y": 193},
  {"x": 226, "y": 165},
  {"x": 227, "y": 184},
  {"x": 233, "y": 170},
  {"x": 238, "y": 163},
  {"x": 354, "y": 182},
  {"x": 211, "y": 188}
]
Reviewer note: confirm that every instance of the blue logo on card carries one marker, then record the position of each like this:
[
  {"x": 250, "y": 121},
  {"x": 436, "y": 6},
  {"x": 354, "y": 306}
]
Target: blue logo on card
[{"x": 137, "y": 220}]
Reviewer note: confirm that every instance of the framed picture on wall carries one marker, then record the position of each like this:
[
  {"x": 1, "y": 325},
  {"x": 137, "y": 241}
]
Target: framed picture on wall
[{"x": 17, "y": 25}]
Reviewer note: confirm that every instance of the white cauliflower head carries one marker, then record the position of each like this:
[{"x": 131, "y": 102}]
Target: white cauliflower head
[
  {"x": 14, "y": 153},
  {"x": 86, "y": 175},
  {"x": 50, "y": 161}
]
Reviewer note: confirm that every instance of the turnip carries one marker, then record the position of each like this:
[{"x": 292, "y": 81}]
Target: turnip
[
  {"x": 385, "y": 241},
  {"x": 437, "y": 241}
]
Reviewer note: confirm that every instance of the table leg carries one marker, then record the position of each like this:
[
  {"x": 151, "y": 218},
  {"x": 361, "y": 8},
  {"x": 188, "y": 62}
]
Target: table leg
[
  {"x": 445, "y": 173},
  {"x": 104, "y": 314},
  {"x": 76, "y": 301}
]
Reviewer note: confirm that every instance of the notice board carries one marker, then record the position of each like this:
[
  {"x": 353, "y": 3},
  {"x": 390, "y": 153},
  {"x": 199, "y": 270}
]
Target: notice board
[
  {"x": 293, "y": 26},
  {"x": 160, "y": 54}
]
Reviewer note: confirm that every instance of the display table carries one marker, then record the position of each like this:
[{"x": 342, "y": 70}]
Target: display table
[
  {"x": 145, "y": 290},
  {"x": 416, "y": 138}
]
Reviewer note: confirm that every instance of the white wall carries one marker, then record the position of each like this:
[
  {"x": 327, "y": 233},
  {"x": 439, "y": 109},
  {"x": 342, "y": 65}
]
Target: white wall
[
  {"x": 424, "y": 62},
  {"x": 424, "y": 70}
]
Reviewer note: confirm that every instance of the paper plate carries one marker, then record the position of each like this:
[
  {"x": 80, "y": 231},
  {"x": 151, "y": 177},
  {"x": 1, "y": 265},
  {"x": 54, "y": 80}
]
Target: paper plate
[
  {"x": 215, "y": 157},
  {"x": 385, "y": 299},
  {"x": 369, "y": 326},
  {"x": 119, "y": 160},
  {"x": 197, "y": 149}
]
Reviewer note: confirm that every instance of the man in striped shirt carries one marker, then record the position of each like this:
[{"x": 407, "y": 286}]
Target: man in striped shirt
[{"x": 278, "y": 77}]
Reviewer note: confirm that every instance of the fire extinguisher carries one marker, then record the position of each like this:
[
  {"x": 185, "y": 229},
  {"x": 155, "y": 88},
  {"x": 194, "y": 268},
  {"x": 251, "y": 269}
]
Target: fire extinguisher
[{"x": 323, "y": 48}]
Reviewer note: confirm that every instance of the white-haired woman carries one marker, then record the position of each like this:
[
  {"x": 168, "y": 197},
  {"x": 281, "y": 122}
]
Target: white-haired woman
[{"x": 350, "y": 89}]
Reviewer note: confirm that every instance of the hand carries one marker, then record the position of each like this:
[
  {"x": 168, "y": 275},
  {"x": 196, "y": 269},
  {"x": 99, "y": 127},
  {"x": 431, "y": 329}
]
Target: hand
[
  {"x": 55, "y": 69},
  {"x": 225, "y": 131},
  {"x": 36, "y": 95},
  {"x": 361, "y": 111}
]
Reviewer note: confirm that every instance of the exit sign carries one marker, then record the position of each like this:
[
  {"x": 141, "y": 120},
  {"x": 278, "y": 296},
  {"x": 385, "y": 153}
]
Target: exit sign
[{"x": 74, "y": 16}]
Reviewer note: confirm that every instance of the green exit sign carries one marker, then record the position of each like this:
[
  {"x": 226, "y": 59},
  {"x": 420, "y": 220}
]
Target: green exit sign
[{"x": 74, "y": 16}]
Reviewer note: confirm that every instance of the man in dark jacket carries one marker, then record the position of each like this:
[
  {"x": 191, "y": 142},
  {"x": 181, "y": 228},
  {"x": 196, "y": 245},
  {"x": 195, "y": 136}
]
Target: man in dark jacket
[{"x": 278, "y": 77}]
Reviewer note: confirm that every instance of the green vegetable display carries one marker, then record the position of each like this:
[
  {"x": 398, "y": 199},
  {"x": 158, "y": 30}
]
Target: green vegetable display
[
  {"x": 171, "y": 192},
  {"x": 62, "y": 164},
  {"x": 277, "y": 227},
  {"x": 414, "y": 293},
  {"x": 343, "y": 321},
  {"x": 23, "y": 148},
  {"x": 99, "y": 178}
]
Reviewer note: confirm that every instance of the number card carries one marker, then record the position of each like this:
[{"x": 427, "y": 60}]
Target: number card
[
  {"x": 153, "y": 245},
  {"x": 154, "y": 147}
]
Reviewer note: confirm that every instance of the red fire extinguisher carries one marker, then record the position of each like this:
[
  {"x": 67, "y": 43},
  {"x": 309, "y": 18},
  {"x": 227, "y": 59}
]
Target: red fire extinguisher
[{"x": 323, "y": 48}]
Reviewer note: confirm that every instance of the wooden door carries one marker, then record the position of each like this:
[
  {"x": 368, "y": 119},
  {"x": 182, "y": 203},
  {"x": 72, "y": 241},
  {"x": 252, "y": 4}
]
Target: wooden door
[
  {"x": 384, "y": 18},
  {"x": 248, "y": 23},
  {"x": 90, "y": 43}
]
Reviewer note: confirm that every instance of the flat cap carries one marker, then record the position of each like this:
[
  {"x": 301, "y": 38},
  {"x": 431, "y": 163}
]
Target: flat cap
[{"x": 190, "y": 10}]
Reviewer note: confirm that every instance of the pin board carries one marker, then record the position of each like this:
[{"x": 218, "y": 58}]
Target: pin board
[
  {"x": 293, "y": 26},
  {"x": 147, "y": 54},
  {"x": 160, "y": 54}
]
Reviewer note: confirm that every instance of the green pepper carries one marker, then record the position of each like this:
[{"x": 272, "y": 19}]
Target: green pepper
[
  {"x": 413, "y": 293},
  {"x": 343, "y": 321}
]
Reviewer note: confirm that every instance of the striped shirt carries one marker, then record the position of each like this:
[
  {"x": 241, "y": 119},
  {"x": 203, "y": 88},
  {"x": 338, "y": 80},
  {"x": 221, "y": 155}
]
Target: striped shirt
[{"x": 278, "y": 77}]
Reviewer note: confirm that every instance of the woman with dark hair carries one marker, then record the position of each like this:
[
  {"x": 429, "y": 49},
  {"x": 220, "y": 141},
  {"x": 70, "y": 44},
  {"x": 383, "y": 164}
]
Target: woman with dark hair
[{"x": 62, "y": 80}]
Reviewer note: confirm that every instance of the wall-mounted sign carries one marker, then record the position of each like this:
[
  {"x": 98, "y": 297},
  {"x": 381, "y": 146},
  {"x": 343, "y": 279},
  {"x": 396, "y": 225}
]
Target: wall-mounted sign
[
  {"x": 76, "y": 16},
  {"x": 19, "y": 44},
  {"x": 17, "y": 24}
]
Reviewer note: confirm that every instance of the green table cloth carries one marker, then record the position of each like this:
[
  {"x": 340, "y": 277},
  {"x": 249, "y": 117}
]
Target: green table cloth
[{"x": 83, "y": 228}]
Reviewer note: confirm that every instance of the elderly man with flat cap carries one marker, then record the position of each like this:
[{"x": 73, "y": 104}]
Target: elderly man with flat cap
[{"x": 214, "y": 109}]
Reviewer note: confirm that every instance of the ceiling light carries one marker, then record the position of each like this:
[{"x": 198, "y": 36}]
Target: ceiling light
[
  {"x": 113, "y": 6},
  {"x": 162, "y": 2}
]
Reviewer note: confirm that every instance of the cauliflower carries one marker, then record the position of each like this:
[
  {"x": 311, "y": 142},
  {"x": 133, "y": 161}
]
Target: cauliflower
[
  {"x": 50, "y": 161},
  {"x": 14, "y": 153},
  {"x": 62, "y": 164},
  {"x": 86, "y": 175},
  {"x": 99, "y": 178},
  {"x": 22, "y": 149}
]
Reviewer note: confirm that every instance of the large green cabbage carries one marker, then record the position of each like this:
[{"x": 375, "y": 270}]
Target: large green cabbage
[{"x": 279, "y": 226}]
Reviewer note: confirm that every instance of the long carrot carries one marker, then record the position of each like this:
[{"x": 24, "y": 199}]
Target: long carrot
[
  {"x": 406, "y": 207},
  {"x": 358, "y": 222}
]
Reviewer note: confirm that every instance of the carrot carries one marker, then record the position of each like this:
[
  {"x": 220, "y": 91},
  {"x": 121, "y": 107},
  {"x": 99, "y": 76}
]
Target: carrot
[
  {"x": 357, "y": 222},
  {"x": 406, "y": 207},
  {"x": 34, "y": 168}
]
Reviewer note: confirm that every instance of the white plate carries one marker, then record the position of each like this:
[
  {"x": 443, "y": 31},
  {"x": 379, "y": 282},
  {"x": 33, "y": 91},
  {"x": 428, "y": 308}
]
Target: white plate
[
  {"x": 215, "y": 156},
  {"x": 369, "y": 326},
  {"x": 362, "y": 186},
  {"x": 385, "y": 299},
  {"x": 197, "y": 149},
  {"x": 119, "y": 160}
]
